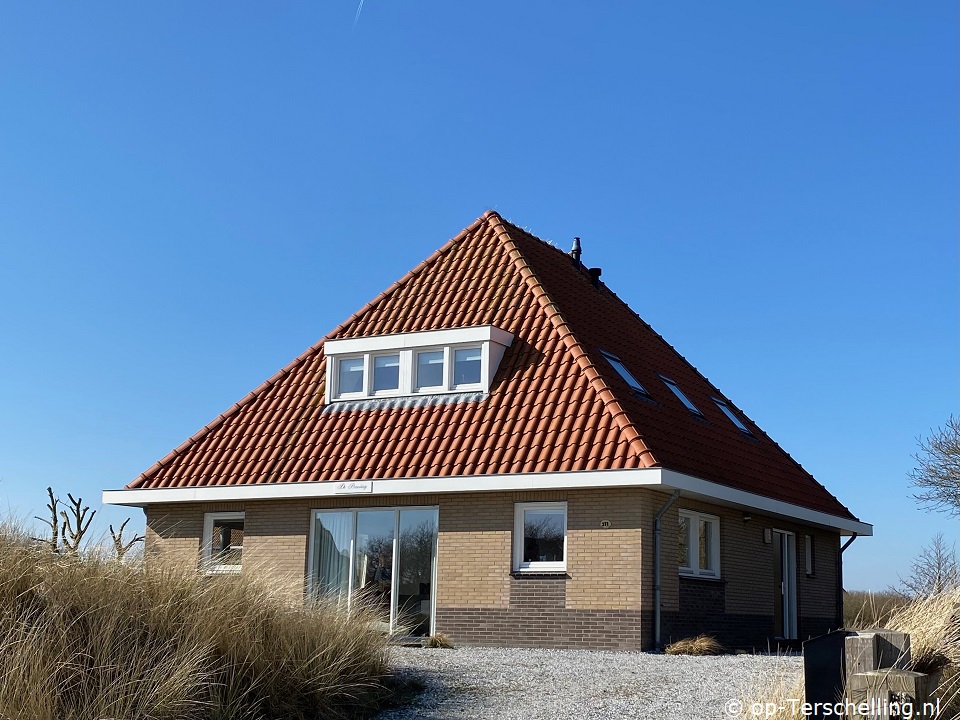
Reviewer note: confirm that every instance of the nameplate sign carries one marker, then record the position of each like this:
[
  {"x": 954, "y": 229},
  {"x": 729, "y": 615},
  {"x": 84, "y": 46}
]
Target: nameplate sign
[{"x": 353, "y": 487}]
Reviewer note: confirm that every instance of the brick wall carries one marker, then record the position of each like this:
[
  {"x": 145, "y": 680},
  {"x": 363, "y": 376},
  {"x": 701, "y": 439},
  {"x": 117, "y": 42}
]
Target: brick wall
[{"x": 604, "y": 599}]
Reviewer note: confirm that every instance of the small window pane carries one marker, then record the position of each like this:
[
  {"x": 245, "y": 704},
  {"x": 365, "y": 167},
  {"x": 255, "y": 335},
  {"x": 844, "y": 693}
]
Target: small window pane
[
  {"x": 430, "y": 369},
  {"x": 733, "y": 418},
  {"x": 227, "y": 542},
  {"x": 680, "y": 396},
  {"x": 351, "y": 375},
  {"x": 543, "y": 532},
  {"x": 386, "y": 373},
  {"x": 466, "y": 366},
  {"x": 683, "y": 535},
  {"x": 706, "y": 545},
  {"x": 624, "y": 373}
]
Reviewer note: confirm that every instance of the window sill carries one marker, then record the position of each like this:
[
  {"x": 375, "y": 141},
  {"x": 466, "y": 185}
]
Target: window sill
[
  {"x": 540, "y": 574},
  {"x": 224, "y": 570},
  {"x": 694, "y": 576}
]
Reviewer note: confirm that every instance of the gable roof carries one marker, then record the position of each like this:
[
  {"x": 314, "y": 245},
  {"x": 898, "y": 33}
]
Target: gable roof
[{"x": 555, "y": 405}]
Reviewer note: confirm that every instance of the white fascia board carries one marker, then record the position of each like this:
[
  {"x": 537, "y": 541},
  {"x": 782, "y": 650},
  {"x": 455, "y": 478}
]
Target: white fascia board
[
  {"x": 699, "y": 489},
  {"x": 426, "y": 338},
  {"x": 654, "y": 478}
]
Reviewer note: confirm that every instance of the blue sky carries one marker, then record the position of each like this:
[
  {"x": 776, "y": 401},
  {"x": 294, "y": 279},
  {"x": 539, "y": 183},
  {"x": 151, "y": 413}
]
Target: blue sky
[{"x": 191, "y": 194}]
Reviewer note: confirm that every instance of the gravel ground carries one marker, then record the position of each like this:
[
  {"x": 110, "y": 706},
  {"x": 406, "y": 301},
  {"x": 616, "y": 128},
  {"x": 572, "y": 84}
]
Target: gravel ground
[{"x": 502, "y": 684}]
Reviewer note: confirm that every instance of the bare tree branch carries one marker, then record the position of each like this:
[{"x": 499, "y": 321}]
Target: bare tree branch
[
  {"x": 75, "y": 525},
  {"x": 121, "y": 547},
  {"x": 53, "y": 541},
  {"x": 937, "y": 475}
]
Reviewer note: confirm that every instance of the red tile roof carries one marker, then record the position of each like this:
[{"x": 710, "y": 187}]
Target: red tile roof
[{"x": 556, "y": 404}]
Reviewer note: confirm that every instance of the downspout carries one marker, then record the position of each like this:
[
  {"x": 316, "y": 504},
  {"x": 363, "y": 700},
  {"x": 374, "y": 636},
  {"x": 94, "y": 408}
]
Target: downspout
[
  {"x": 657, "y": 528},
  {"x": 840, "y": 579}
]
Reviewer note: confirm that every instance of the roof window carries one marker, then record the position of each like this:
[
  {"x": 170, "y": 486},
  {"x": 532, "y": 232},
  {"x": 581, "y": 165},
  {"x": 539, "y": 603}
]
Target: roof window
[
  {"x": 419, "y": 363},
  {"x": 625, "y": 374},
  {"x": 681, "y": 397},
  {"x": 733, "y": 418}
]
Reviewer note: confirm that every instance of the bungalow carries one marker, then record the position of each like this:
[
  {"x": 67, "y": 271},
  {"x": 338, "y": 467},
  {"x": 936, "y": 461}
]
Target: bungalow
[{"x": 499, "y": 449}]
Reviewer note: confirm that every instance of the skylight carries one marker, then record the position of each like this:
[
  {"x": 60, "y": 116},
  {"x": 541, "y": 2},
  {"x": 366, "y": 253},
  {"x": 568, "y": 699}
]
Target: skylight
[
  {"x": 624, "y": 373},
  {"x": 733, "y": 418},
  {"x": 681, "y": 397}
]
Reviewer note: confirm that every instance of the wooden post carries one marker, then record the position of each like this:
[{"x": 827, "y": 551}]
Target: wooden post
[
  {"x": 892, "y": 693},
  {"x": 875, "y": 650}
]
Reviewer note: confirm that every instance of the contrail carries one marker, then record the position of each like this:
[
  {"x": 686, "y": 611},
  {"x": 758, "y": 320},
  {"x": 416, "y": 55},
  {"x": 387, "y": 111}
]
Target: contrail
[{"x": 357, "y": 18}]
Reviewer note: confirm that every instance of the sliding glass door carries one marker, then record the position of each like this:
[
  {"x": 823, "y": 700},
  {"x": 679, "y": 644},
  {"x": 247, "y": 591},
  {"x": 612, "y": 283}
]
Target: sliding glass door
[{"x": 386, "y": 556}]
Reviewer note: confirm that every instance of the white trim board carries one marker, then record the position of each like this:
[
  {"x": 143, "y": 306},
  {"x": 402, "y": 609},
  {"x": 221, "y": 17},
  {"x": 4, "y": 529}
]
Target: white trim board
[{"x": 654, "y": 478}]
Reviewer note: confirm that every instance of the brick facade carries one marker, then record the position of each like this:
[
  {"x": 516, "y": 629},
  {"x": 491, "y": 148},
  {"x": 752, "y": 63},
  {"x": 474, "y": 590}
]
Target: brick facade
[{"x": 603, "y": 600}]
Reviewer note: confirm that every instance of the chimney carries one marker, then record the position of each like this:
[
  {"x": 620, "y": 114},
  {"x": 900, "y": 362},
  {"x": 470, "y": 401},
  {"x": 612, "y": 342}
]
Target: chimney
[
  {"x": 595, "y": 274},
  {"x": 575, "y": 253}
]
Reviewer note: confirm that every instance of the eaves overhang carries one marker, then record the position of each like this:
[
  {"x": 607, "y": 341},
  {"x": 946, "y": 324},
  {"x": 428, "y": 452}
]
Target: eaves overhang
[{"x": 653, "y": 478}]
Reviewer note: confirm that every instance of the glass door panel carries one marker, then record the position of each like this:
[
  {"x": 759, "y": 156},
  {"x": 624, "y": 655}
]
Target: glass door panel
[
  {"x": 332, "y": 538},
  {"x": 373, "y": 559},
  {"x": 417, "y": 548}
]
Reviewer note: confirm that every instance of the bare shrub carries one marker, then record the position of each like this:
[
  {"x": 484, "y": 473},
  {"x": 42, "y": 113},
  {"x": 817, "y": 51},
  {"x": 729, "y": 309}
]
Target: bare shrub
[{"x": 700, "y": 645}]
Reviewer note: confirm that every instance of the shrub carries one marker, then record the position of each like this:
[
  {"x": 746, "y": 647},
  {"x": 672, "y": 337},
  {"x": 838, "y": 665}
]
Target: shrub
[
  {"x": 88, "y": 637},
  {"x": 438, "y": 640},
  {"x": 700, "y": 645}
]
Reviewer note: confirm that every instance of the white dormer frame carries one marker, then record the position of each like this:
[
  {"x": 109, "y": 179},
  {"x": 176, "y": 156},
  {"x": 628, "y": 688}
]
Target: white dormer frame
[{"x": 490, "y": 340}]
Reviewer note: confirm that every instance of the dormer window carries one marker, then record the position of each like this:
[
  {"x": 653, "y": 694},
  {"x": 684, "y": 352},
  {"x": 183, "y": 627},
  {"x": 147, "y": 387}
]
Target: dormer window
[
  {"x": 408, "y": 364},
  {"x": 681, "y": 397}
]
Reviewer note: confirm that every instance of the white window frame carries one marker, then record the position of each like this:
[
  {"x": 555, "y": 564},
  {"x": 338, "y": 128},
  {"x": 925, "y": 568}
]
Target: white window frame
[
  {"x": 210, "y": 567},
  {"x": 692, "y": 568},
  {"x": 371, "y": 361},
  {"x": 445, "y": 371},
  {"x": 313, "y": 561},
  {"x": 367, "y": 380},
  {"x": 491, "y": 341},
  {"x": 519, "y": 566}
]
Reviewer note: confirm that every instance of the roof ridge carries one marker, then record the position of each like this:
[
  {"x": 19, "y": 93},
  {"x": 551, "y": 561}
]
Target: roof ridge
[{"x": 604, "y": 392}]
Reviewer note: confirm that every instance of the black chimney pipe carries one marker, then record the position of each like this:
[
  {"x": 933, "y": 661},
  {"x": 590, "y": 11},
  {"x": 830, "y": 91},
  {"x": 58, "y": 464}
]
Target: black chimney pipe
[
  {"x": 595, "y": 274},
  {"x": 575, "y": 253}
]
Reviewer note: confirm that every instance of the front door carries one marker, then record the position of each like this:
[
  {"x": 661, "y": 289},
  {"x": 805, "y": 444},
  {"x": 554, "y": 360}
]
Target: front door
[{"x": 784, "y": 585}]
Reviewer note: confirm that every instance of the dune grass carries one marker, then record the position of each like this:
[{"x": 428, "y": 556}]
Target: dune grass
[
  {"x": 90, "y": 637},
  {"x": 933, "y": 623}
]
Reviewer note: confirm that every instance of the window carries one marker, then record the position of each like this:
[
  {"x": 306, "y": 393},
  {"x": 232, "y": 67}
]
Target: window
[
  {"x": 386, "y": 373},
  {"x": 733, "y": 418},
  {"x": 808, "y": 550},
  {"x": 681, "y": 397},
  {"x": 386, "y": 557},
  {"x": 625, "y": 374},
  {"x": 350, "y": 379},
  {"x": 540, "y": 537},
  {"x": 699, "y": 544},
  {"x": 466, "y": 366},
  {"x": 430, "y": 369},
  {"x": 430, "y": 362},
  {"x": 222, "y": 542}
]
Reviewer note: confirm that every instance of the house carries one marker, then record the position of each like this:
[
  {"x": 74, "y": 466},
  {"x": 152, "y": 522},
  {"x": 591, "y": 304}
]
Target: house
[{"x": 499, "y": 449}]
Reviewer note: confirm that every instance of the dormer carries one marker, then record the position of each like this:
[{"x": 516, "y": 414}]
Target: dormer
[{"x": 432, "y": 362}]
